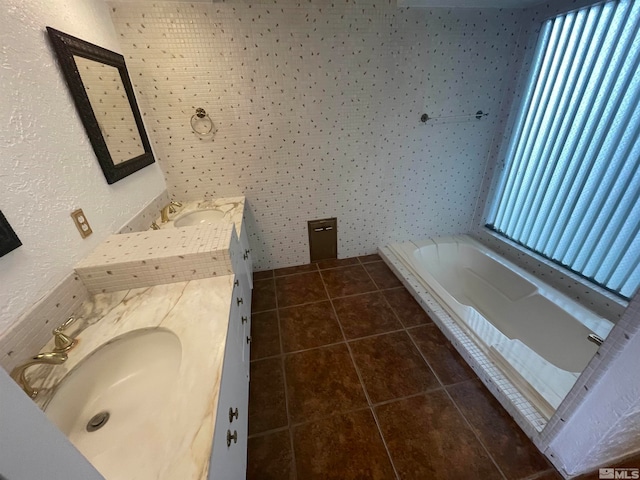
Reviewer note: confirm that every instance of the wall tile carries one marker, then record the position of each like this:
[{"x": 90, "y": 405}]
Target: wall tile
[{"x": 317, "y": 107}]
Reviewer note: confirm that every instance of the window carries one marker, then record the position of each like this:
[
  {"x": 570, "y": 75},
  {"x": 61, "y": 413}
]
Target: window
[{"x": 570, "y": 190}]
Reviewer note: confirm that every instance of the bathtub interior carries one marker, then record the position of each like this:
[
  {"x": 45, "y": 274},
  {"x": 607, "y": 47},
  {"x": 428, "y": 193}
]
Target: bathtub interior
[{"x": 535, "y": 335}]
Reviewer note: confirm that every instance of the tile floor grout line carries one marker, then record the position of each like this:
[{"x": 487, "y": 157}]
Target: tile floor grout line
[
  {"x": 263, "y": 311},
  {"x": 350, "y": 340},
  {"x": 425, "y": 359},
  {"x": 297, "y": 273},
  {"x": 268, "y": 432},
  {"x": 331, "y": 415},
  {"x": 340, "y": 298},
  {"x": 318, "y": 269},
  {"x": 475, "y": 434},
  {"x": 362, "y": 385},
  {"x": 444, "y": 387},
  {"x": 370, "y": 277},
  {"x": 294, "y": 467},
  {"x": 407, "y": 397},
  {"x": 537, "y": 475}
]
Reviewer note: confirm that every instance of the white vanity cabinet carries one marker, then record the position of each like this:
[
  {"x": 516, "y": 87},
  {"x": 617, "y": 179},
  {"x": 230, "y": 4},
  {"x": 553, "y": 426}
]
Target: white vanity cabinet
[{"x": 229, "y": 452}]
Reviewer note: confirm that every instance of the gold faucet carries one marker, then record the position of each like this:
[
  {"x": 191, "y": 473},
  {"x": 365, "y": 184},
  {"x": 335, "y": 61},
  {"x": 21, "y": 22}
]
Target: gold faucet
[
  {"x": 164, "y": 214},
  {"x": 63, "y": 342},
  {"x": 49, "y": 358}
]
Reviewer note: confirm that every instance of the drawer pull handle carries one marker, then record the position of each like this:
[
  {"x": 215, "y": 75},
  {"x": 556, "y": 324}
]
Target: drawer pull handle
[
  {"x": 233, "y": 414},
  {"x": 245, "y": 320},
  {"x": 248, "y": 340},
  {"x": 245, "y": 256},
  {"x": 236, "y": 283},
  {"x": 240, "y": 301},
  {"x": 247, "y": 251},
  {"x": 230, "y": 437}
]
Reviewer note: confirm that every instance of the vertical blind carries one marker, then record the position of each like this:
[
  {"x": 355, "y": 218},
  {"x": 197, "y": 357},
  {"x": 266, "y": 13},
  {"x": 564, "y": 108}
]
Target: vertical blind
[{"x": 570, "y": 190}]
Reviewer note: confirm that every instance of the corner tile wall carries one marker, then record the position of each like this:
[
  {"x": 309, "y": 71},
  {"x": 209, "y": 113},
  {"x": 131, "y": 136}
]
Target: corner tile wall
[{"x": 317, "y": 107}]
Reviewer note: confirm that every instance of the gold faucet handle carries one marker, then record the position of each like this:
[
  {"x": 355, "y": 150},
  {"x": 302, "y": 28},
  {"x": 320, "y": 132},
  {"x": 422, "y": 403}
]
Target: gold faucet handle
[
  {"x": 63, "y": 342},
  {"x": 174, "y": 204}
]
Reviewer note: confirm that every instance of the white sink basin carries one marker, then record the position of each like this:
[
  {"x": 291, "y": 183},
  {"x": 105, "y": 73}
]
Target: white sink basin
[
  {"x": 129, "y": 377},
  {"x": 198, "y": 217}
]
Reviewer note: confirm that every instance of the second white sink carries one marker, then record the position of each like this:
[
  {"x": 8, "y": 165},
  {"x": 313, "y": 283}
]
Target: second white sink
[{"x": 198, "y": 217}]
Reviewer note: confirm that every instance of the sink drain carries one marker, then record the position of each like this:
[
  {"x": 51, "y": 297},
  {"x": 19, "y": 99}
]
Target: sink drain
[{"x": 98, "y": 421}]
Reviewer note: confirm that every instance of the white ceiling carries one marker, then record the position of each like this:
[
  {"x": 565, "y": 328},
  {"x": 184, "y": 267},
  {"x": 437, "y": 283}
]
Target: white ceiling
[{"x": 471, "y": 3}]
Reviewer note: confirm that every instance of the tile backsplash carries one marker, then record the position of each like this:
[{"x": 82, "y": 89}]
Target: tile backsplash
[
  {"x": 27, "y": 336},
  {"x": 317, "y": 107}
]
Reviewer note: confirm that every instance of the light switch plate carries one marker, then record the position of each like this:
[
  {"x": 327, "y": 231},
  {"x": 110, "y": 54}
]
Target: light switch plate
[{"x": 81, "y": 222}]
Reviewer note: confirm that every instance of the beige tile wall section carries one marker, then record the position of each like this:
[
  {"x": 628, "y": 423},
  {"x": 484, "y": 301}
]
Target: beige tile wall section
[
  {"x": 28, "y": 335},
  {"x": 144, "y": 259}
]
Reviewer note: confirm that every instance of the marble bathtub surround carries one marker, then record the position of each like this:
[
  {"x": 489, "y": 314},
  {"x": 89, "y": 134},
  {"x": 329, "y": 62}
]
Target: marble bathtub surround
[
  {"x": 178, "y": 438},
  {"x": 158, "y": 257}
]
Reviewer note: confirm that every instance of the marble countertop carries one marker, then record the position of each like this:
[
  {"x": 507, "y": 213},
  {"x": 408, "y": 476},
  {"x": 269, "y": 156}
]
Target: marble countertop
[
  {"x": 232, "y": 207},
  {"x": 176, "y": 442}
]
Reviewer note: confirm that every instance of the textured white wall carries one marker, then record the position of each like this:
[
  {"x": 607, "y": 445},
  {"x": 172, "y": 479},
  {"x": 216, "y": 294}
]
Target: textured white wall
[
  {"x": 48, "y": 167},
  {"x": 318, "y": 108}
]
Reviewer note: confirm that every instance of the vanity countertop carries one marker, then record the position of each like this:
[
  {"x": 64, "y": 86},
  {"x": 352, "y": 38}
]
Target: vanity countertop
[
  {"x": 232, "y": 207},
  {"x": 176, "y": 442}
]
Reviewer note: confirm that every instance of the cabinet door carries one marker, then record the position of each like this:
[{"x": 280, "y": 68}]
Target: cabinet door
[{"x": 229, "y": 452}]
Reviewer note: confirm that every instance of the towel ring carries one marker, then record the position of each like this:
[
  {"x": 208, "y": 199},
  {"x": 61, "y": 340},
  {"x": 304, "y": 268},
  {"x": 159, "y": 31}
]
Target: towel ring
[{"x": 199, "y": 117}]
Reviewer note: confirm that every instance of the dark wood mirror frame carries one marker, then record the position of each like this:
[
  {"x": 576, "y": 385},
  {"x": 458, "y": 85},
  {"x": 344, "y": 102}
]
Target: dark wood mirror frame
[{"x": 66, "y": 46}]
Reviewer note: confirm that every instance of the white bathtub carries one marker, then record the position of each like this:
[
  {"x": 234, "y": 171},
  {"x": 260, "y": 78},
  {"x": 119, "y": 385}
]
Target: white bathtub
[{"x": 535, "y": 335}]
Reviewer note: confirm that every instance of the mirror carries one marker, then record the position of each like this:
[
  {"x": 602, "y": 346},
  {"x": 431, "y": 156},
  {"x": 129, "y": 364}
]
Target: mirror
[{"x": 103, "y": 95}]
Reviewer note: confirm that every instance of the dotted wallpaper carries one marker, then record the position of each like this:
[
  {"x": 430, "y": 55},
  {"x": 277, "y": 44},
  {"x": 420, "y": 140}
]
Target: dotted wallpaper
[{"x": 318, "y": 105}]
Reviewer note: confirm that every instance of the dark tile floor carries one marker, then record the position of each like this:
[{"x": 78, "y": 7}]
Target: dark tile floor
[{"x": 350, "y": 379}]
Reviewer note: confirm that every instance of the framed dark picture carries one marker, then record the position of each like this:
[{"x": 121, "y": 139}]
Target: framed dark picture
[{"x": 8, "y": 239}]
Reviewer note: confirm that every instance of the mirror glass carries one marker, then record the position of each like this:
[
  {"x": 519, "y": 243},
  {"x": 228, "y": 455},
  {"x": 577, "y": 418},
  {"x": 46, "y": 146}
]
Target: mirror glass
[
  {"x": 110, "y": 104},
  {"x": 102, "y": 92}
]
